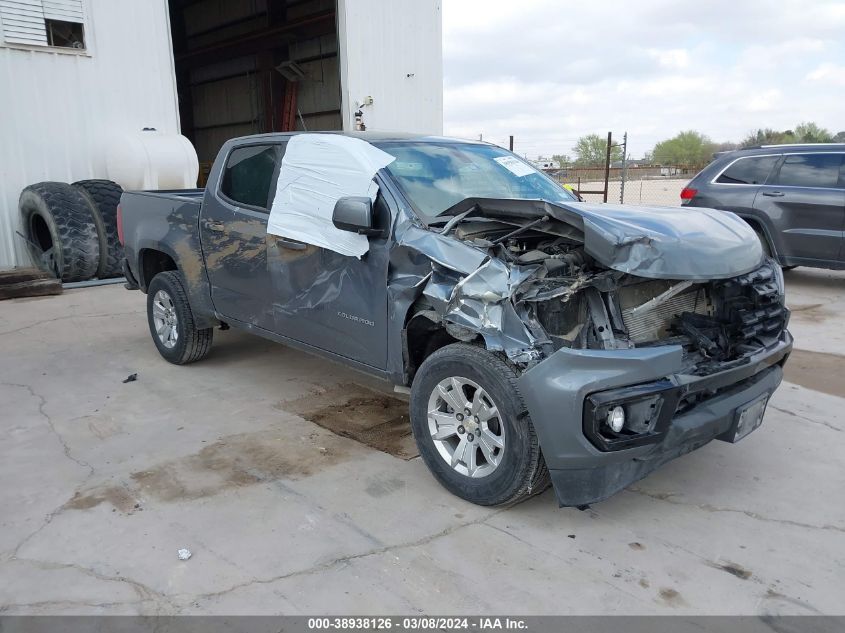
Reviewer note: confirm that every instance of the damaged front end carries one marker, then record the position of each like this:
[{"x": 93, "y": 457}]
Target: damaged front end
[
  {"x": 541, "y": 284},
  {"x": 672, "y": 330}
]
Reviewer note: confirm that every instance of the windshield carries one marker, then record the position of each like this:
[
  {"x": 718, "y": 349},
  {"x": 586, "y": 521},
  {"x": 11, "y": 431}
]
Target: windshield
[{"x": 437, "y": 175}]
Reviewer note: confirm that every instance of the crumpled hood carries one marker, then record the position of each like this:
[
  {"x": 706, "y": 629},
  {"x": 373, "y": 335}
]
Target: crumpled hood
[
  {"x": 653, "y": 242},
  {"x": 668, "y": 242}
]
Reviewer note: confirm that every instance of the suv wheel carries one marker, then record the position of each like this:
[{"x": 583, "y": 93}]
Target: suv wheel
[{"x": 472, "y": 429}]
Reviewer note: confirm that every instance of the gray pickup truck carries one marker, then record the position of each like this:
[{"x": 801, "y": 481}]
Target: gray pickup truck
[{"x": 543, "y": 339}]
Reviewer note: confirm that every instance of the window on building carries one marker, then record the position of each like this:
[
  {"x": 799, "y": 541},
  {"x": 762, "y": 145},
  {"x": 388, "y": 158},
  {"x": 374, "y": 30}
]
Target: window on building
[
  {"x": 752, "y": 170},
  {"x": 56, "y": 23},
  {"x": 810, "y": 170},
  {"x": 248, "y": 175}
]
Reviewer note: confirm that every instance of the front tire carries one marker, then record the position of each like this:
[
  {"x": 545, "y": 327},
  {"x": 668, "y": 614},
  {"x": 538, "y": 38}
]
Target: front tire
[
  {"x": 171, "y": 321},
  {"x": 472, "y": 428}
]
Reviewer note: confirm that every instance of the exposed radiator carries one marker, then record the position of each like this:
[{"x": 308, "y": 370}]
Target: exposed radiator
[{"x": 652, "y": 324}]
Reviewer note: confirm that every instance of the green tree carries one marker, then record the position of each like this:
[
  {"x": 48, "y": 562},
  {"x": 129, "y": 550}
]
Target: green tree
[
  {"x": 591, "y": 150},
  {"x": 686, "y": 148},
  {"x": 563, "y": 160},
  {"x": 768, "y": 136},
  {"x": 840, "y": 137},
  {"x": 809, "y": 132}
]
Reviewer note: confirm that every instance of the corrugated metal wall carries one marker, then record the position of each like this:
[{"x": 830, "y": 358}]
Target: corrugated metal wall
[
  {"x": 59, "y": 110},
  {"x": 393, "y": 52},
  {"x": 225, "y": 96}
]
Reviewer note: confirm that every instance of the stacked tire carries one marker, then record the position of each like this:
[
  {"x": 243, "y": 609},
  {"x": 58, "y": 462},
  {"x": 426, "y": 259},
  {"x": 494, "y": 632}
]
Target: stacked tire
[
  {"x": 103, "y": 196},
  {"x": 72, "y": 229}
]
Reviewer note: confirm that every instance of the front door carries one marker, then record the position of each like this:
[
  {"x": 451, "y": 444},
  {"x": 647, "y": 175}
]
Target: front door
[
  {"x": 234, "y": 235},
  {"x": 806, "y": 201},
  {"x": 331, "y": 301}
]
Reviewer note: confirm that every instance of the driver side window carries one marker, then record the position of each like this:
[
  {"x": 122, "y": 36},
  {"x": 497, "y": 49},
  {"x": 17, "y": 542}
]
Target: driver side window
[{"x": 249, "y": 176}]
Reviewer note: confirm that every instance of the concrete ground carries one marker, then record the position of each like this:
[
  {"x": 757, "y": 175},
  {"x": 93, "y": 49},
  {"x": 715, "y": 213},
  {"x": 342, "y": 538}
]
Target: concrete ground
[{"x": 103, "y": 481}]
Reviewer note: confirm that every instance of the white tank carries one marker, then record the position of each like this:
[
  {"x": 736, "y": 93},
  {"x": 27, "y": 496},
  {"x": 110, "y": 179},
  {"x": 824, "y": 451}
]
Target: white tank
[{"x": 152, "y": 160}]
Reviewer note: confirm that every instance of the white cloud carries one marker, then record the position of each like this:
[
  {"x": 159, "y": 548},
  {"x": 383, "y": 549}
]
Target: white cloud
[
  {"x": 670, "y": 58},
  {"x": 549, "y": 72},
  {"x": 829, "y": 73}
]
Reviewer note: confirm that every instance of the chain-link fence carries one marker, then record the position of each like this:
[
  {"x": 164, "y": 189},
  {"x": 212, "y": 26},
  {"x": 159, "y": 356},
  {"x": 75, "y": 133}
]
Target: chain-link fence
[{"x": 645, "y": 185}]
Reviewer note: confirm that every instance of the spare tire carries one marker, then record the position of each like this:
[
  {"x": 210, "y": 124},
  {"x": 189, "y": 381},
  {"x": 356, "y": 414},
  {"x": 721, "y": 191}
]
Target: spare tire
[
  {"x": 104, "y": 196},
  {"x": 59, "y": 224}
]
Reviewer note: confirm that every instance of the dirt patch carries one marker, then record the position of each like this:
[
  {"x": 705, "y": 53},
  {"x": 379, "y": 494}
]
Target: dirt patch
[
  {"x": 382, "y": 487},
  {"x": 812, "y": 312},
  {"x": 671, "y": 597},
  {"x": 232, "y": 462},
  {"x": 121, "y": 498},
  {"x": 816, "y": 370},
  {"x": 733, "y": 569},
  {"x": 236, "y": 461},
  {"x": 377, "y": 420}
]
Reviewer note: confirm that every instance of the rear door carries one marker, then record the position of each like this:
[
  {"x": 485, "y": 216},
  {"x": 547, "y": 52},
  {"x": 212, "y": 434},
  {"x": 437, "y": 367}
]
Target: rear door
[
  {"x": 736, "y": 187},
  {"x": 805, "y": 200},
  {"x": 234, "y": 234}
]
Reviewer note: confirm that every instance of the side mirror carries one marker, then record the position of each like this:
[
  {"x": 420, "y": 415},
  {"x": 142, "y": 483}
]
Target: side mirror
[{"x": 355, "y": 214}]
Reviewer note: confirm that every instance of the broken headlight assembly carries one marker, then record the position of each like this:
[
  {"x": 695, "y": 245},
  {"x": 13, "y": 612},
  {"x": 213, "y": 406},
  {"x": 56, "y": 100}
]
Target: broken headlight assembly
[{"x": 630, "y": 416}]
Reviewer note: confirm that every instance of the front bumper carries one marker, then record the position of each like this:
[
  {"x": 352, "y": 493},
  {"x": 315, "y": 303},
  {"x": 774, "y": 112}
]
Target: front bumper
[{"x": 555, "y": 391}]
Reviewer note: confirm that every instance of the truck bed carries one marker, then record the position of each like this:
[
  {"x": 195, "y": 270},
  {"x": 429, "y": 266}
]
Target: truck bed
[{"x": 175, "y": 194}]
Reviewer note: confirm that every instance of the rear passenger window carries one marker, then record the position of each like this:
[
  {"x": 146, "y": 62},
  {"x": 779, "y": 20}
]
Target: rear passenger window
[
  {"x": 810, "y": 170},
  {"x": 248, "y": 175},
  {"x": 748, "y": 171}
]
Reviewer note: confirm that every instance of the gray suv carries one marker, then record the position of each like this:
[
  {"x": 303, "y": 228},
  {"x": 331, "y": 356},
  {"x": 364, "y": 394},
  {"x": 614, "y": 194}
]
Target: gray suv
[{"x": 792, "y": 195}]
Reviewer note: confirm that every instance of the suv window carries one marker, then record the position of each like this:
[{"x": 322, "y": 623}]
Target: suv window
[
  {"x": 810, "y": 170},
  {"x": 249, "y": 173},
  {"x": 751, "y": 170}
]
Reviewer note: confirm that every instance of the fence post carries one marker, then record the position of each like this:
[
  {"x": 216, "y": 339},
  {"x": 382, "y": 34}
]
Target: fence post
[
  {"x": 607, "y": 165},
  {"x": 624, "y": 167},
  {"x": 510, "y": 144}
]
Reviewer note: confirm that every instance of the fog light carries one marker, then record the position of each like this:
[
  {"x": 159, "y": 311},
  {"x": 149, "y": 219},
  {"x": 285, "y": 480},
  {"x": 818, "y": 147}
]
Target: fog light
[{"x": 616, "y": 419}]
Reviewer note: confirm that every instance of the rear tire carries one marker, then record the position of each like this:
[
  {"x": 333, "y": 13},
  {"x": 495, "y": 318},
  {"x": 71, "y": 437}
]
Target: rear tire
[
  {"x": 59, "y": 224},
  {"x": 104, "y": 196},
  {"x": 496, "y": 441},
  {"x": 171, "y": 321}
]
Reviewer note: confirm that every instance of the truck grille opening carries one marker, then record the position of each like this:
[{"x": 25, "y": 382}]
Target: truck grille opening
[
  {"x": 721, "y": 320},
  {"x": 647, "y": 324}
]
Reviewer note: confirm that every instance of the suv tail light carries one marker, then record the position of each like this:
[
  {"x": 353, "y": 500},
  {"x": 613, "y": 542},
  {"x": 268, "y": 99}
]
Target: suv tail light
[
  {"x": 120, "y": 225},
  {"x": 688, "y": 193}
]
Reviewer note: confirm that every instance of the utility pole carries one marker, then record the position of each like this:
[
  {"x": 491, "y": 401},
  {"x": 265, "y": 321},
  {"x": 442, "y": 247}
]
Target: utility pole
[
  {"x": 624, "y": 167},
  {"x": 607, "y": 165}
]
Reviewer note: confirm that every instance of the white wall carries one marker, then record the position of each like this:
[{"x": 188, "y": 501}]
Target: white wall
[
  {"x": 381, "y": 43},
  {"x": 60, "y": 110}
]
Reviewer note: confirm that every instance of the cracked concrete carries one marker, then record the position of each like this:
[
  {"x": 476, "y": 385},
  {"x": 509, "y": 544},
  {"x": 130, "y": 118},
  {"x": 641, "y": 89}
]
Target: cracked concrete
[{"x": 104, "y": 481}]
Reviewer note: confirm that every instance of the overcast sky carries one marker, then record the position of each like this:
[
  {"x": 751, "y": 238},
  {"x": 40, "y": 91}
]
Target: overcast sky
[{"x": 550, "y": 71}]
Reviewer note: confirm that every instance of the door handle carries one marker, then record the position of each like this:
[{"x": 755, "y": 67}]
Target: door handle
[
  {"x": 294, "y": 246},
  {"x": 773, "y": 194},
  {"x": 219, "y": 227}
]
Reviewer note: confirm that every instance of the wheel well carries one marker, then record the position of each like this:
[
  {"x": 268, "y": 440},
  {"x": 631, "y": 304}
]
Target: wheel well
[
  {"x": 755, "y": 224},
  {"x": 425, "y": 334},
  {"x": 423, "y": 337},
  {"x": 152, "y": 263}
]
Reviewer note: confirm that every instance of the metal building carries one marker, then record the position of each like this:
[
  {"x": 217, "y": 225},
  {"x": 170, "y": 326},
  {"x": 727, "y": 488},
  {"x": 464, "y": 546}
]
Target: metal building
[{"x": 78, "y": 76}]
